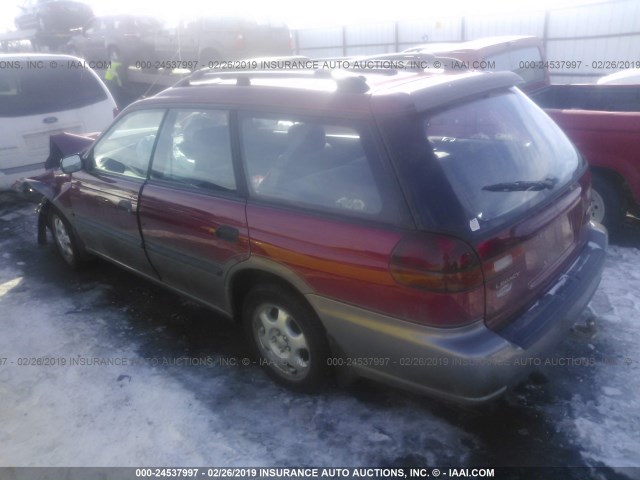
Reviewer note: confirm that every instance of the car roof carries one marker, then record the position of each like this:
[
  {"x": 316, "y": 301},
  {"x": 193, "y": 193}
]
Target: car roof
[{"x": 339, "y": 92}]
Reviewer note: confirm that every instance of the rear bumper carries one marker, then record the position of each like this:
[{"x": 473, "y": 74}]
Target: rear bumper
[{"x": 470, "y": 364}]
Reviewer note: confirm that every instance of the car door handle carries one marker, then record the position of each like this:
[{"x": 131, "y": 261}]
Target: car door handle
[
  {"x": 125, "y": 205},
  {"x": 230, "y": 234}
]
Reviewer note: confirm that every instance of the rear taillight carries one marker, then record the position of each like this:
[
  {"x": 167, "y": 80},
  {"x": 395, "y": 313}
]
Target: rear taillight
[
  {"x": 437, "y": 263},
  {"x": 445, "y": 273}
]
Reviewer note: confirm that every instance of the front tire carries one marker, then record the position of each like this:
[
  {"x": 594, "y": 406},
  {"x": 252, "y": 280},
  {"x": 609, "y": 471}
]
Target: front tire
[
  {"x": 287, "y": 337},
  {"x": 64, "y": 239}
]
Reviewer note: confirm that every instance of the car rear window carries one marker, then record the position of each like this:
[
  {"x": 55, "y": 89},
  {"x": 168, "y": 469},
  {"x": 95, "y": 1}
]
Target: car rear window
[
  {"x": 483, "y": 162},
  {"x": 33, "y": 91}
]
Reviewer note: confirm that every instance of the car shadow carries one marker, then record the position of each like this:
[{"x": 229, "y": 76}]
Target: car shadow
[{"x": 628, "y": 235}]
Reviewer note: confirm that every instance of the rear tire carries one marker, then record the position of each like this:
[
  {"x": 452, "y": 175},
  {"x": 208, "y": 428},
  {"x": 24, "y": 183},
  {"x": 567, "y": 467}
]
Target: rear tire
[
  {"x": 287, "y": 337},
  {"x": 607, "y": 203},
  {"x": 65, "y": 240}
]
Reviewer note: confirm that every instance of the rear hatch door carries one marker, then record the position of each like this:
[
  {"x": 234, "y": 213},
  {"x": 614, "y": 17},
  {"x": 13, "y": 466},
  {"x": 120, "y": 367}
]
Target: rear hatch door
[{"x": 497, "y": 172}]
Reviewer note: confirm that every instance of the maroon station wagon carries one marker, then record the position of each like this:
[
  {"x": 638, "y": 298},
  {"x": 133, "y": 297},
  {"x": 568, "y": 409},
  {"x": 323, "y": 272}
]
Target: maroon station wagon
[{"x": 428, "y": 230}]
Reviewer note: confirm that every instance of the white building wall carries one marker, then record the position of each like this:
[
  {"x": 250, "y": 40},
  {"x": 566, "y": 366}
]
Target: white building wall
[
  {"x": 530, "y": 23},
  {"x": 599, "y": 38},
  {"x": 604, "y": 37},
  {"x": 446, "y": 29}
]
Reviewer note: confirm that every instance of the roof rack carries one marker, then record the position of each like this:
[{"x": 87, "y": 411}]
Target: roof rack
[
  {"x": 345, "y": 81},
  {"x": 348, "y": 77}
]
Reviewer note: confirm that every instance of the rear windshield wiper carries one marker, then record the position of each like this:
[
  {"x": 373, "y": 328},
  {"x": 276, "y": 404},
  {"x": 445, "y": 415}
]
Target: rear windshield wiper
[{"x": 522, "y": 185}]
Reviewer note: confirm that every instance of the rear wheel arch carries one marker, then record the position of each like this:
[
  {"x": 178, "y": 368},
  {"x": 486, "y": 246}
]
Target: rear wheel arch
[
  {"x": 610, "y": 175},
  {"x": 243, "y": 281}
]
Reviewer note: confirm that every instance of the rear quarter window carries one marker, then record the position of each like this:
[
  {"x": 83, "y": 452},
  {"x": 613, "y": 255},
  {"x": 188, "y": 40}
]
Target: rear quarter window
[
  {"x": 33, "y": 91},
  {"x": 318, "y": 165}
]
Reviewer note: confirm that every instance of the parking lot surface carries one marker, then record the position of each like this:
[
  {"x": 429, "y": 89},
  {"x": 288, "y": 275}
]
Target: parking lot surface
[{"x": 100, "y": 368}]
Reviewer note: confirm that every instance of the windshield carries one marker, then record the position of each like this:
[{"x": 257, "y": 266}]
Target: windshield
[{"x": 499, "y": 155}]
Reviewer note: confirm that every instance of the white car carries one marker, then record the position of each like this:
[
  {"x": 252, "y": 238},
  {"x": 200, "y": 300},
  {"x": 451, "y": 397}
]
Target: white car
[
  {"x": 40, "y": 95},
  {"x": 623, "y": 77}
]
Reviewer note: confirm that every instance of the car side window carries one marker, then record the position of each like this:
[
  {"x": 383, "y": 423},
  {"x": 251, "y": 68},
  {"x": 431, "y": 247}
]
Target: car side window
[
  {"x": 126, "y": 148},
  {"x": 194, "y": 150},
  {"x": 322, "y": 165}
]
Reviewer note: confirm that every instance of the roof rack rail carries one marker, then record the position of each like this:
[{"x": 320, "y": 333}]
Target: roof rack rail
[{"x": 345, "y": 81}]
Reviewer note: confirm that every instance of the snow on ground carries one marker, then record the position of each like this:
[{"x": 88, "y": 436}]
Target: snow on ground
[
  {"x": 92, "y": 415},
  {"x": 607, "y": 418},
  {"x": 145, "y": 414}
]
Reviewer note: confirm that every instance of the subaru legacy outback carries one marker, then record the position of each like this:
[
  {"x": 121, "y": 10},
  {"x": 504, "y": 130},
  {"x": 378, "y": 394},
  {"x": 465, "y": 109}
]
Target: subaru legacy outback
[{"x": 428, "y": 230}]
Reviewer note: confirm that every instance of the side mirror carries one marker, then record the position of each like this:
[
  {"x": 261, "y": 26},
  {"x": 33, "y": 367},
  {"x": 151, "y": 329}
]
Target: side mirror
[{"x": 71, "y": 164}]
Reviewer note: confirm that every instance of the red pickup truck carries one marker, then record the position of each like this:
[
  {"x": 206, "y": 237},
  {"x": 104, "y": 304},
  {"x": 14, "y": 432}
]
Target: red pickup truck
[{"x": 603, "y": 121}]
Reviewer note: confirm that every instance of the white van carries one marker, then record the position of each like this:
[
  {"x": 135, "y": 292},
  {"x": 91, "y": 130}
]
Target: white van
[{"x": 40, "y": 95}]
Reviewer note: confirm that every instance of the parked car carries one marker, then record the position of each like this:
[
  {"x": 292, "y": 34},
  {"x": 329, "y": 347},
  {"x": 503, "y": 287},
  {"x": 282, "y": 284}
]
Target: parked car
[
  {"x": 604, "y": 123},
  {"x": 124, "y": 38},
  {"x": 215, "y": 39},
  {"x": 623, "y": 77},
  {"x": 521, "y": 54},
  {"x": 427, "y": 230},
  {"x": 53, "y": 16},
  {"x": 38, "y": 100}
]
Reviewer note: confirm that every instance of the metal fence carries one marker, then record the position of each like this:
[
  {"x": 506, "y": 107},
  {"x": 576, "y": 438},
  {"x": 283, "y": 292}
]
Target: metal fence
[{"x": 581, "y": 42}]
